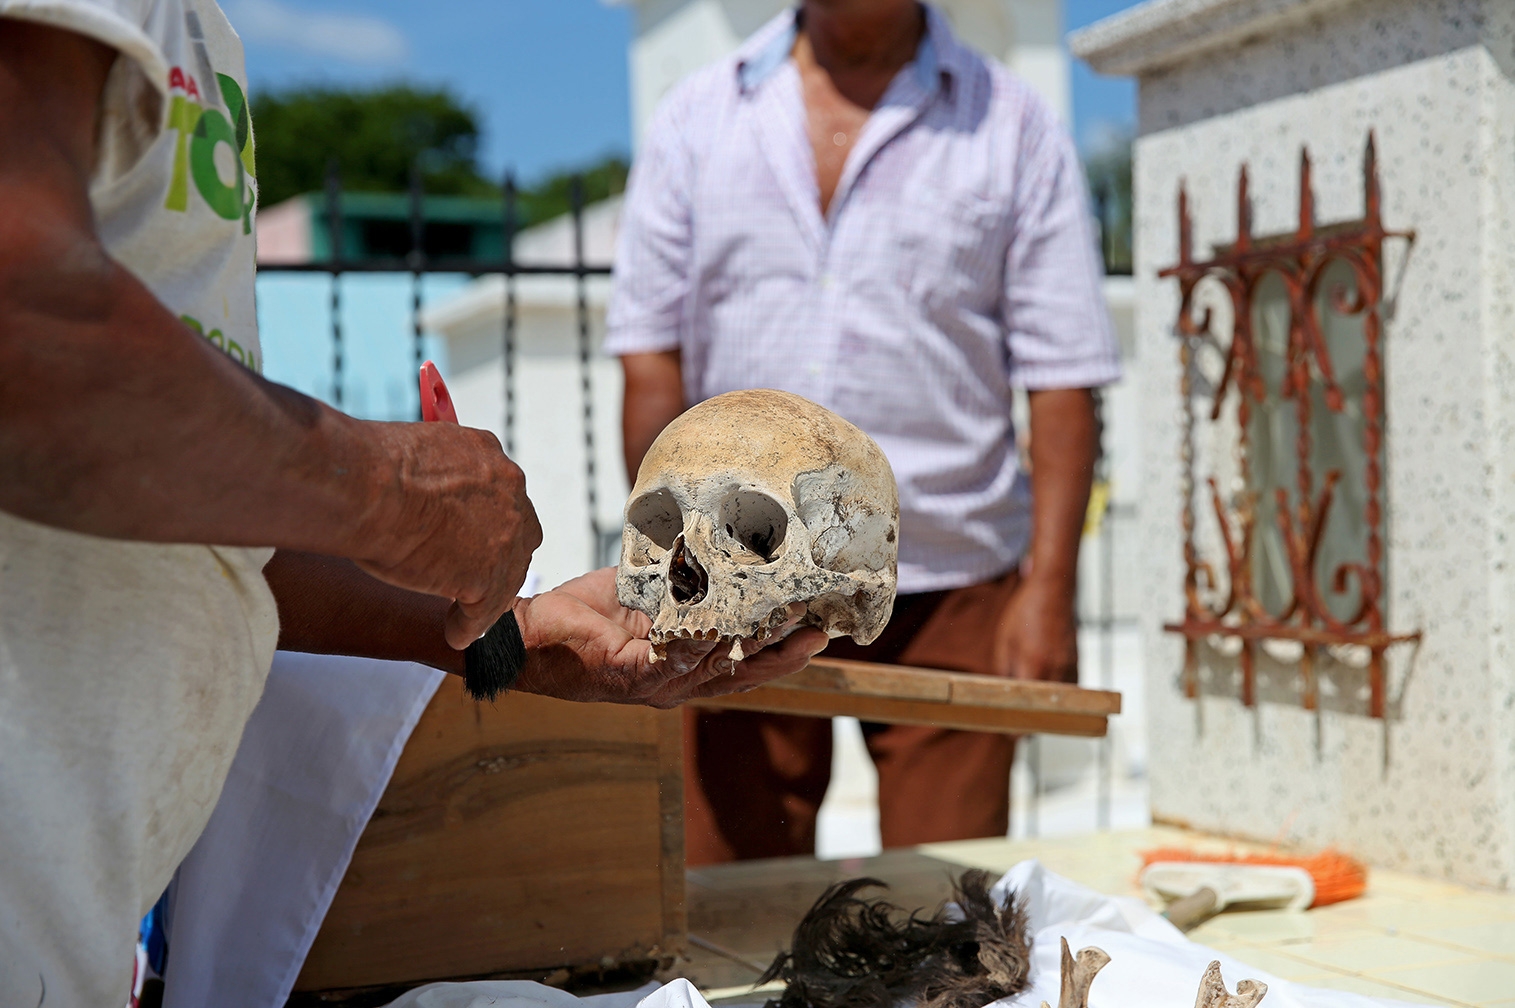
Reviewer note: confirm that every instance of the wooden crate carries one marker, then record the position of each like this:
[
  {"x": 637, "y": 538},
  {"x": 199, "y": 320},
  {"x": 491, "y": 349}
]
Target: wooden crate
[
  {"x": 532, "y": 835},
  {"x": 514, "y": 838}
]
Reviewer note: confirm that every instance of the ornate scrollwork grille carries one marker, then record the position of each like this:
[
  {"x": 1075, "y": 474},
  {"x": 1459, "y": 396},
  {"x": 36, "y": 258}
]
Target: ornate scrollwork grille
[{"x": 1229, "y": 610}]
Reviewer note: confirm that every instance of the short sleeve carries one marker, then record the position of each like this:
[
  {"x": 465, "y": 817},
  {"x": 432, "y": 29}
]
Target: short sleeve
[
  {"x": 1057, "y": 326},
  {"x": 651, "y": 281},
  {"x": 136, "y": 90}
]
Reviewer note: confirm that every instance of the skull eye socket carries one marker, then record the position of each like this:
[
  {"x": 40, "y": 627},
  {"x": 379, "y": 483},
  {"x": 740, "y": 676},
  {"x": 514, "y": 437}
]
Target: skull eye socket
[
  {"x": 657, "y": 517},
  {"x": 757, "y": 522}
]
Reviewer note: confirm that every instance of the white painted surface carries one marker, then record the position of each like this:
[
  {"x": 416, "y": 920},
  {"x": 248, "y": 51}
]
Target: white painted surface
[
  {"x": 548, "y": 439},
  {"x": 284, "y": 233},
  {"x": 1432, "y": 789}
]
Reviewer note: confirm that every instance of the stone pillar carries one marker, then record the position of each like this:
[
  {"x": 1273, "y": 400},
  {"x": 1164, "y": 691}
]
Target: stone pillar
[{"x": 1430, "y": 787}]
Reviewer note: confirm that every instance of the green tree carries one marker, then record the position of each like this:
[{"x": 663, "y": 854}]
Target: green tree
[
  {"x": 1109, "y": 172},
  {"x": 553, "y": 195},
  {"x": 374, "y": 136}
]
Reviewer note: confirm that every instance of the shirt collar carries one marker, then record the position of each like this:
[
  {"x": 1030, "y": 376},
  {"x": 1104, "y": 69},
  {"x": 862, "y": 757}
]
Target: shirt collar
[{"x": 937, "y": 59}]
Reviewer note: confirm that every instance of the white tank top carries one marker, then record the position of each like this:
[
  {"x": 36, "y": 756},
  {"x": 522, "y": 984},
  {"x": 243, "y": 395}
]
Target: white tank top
[{"x": 127, "y": 670}]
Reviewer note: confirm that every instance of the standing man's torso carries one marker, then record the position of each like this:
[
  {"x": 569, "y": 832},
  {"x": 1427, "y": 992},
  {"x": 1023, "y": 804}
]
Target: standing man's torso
[{"x": 896, "y": 305}]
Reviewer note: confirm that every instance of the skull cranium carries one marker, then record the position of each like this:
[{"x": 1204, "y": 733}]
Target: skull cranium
[{"x": 753, "y": 501}]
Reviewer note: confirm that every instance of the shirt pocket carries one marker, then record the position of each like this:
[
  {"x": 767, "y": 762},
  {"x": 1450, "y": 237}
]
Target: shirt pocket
[{"x": 949, "y": 252}]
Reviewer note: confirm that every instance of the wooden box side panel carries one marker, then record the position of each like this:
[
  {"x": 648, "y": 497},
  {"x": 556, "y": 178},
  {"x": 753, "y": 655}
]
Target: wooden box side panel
[{"x": 526, "y": 835}]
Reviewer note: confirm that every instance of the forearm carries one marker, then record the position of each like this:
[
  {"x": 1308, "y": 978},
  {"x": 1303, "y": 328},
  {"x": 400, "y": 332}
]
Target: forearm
[
  {"x": 118, "y": 421},
  {"x": 1064, "y": 446},
  {"x": 654, "y": 397},
  {"x": 328, "y": 606}
]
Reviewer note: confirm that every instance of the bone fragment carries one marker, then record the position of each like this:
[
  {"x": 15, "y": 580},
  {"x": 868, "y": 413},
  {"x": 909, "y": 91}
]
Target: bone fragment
[
  {"x": 1077, "y": 976},
  {"x": 1212, "y": 991}
]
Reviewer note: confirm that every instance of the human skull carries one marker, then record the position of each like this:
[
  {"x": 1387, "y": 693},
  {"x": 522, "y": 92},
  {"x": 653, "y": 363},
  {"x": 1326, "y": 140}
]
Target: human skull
[{"x": 750, "y": 502}]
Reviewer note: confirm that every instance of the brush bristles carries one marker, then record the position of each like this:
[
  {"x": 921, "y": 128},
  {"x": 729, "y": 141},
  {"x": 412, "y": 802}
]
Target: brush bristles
[
  {"x": 862, "y": 953},
  {"x": 492, "y": 663}
]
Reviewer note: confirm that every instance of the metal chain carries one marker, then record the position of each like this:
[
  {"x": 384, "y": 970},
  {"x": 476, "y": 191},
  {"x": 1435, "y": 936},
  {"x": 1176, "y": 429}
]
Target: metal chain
[
  {"x": 586, "y": 384},
  {"x": 508, "y": 351},
  {"x": 334, "y": 236},
  {"x": 417, "y": 259}
]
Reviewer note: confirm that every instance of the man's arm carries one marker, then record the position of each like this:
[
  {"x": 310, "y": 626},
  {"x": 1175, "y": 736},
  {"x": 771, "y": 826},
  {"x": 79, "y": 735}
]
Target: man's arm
[
  {"x": 654, "y": 397},
  {"x": 1060, "y": 346},
  {"x": 580, "y": 643},
  {"x": 328, "y": 605},
  {"x": 117, "y": 420},
  {"x": 652, "y": 284},
  {"x": 1038, "y": 635}
]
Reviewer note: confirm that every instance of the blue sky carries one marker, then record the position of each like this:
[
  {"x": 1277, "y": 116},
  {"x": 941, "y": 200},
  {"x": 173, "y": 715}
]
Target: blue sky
[{"x": 548, "y": 76}]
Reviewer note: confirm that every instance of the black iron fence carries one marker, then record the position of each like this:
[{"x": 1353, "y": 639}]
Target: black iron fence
[{"x": 420, "y": 261}]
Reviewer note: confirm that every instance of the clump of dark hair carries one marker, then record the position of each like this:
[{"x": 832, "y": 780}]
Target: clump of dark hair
[{"x": 852, "y": 952}]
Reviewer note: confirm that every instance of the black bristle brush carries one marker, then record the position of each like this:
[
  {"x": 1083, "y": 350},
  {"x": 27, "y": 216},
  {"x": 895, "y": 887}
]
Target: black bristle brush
[{"x": 491, "y": 663}]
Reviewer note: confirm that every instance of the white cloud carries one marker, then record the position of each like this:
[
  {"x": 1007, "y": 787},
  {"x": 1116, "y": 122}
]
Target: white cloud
[{"x": 351, "y": 38}]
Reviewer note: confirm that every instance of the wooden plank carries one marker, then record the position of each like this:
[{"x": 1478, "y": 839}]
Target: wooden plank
[
  {"x": 1016, "y": 694},
  {"x": 778, "y": 700},
  {"x": 900, "y": 694},
  {"x": 824, "y": 675},
  {"x": 670, "y": 726},
  {"x": 501, "y": 824}
]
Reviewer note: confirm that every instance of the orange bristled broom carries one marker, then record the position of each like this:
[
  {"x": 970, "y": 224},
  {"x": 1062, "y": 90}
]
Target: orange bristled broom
[{"x": 1337, "y": 877}]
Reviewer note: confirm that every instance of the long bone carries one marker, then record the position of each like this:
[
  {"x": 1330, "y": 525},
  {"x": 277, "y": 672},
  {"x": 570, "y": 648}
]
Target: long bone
[{"x": 1077, "y": 976}]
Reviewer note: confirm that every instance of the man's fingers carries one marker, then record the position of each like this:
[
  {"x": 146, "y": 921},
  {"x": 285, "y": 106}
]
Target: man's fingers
[
  {"x": 685, "y": 656},
  {"x": 778, "y": 659},
  {"x": 791, "y": 653},
  {"x": 784, "y": 658},
  {"x": 466, "y": 623}
]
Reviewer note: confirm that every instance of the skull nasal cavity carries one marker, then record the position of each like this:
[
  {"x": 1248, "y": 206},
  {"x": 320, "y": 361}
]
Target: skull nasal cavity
[
  {"x": 686, "y": 578},
  {"x": 756, "y": 521}
]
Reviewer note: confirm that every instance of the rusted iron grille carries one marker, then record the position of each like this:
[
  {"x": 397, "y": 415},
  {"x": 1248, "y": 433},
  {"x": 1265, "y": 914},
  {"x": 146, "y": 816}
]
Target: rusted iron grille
[{"x": 1229, "y": 609}]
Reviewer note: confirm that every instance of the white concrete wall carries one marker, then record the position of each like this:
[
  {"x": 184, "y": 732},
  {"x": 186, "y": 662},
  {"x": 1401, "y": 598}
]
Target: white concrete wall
[
  {"x": 1431, "y": 789},
  {"x": 549, "y": 429}
]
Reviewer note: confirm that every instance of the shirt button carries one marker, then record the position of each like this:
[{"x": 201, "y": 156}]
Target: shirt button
[
  {"x": 825, "y": 281},
  {"x": 814, "y": 369}
]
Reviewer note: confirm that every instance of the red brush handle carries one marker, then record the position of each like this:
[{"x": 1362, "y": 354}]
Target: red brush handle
[
  {"x": 491, "y": 663},
  {"x": 436, "y": 401}
]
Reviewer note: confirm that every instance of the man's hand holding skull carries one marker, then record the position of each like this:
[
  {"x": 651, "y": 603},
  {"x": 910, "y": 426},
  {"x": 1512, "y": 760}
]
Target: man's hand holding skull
[{"x": 582, "y": 645}]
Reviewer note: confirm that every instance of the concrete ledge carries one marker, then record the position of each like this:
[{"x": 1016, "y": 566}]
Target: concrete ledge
[{"x": 1160, "y": 33}]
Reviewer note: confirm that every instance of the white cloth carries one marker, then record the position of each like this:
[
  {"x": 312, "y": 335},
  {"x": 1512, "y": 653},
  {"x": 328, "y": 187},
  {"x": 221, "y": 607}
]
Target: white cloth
[
  {"x": 525, "y": 994},
  {"x": 127, "y": 670},
  {"x": 1152, "y": 965},
  {"x": 315, "y": 759},
  {"x": 956, "y": 261}
]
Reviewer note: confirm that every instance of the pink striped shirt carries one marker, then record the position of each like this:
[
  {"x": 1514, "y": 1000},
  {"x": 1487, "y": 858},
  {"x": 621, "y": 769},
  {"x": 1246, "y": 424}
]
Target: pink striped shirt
[{"x": 957, "y": 261}]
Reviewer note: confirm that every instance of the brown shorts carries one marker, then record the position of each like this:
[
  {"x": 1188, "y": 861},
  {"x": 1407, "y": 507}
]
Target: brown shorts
[{"x": 753, "y": 783}]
